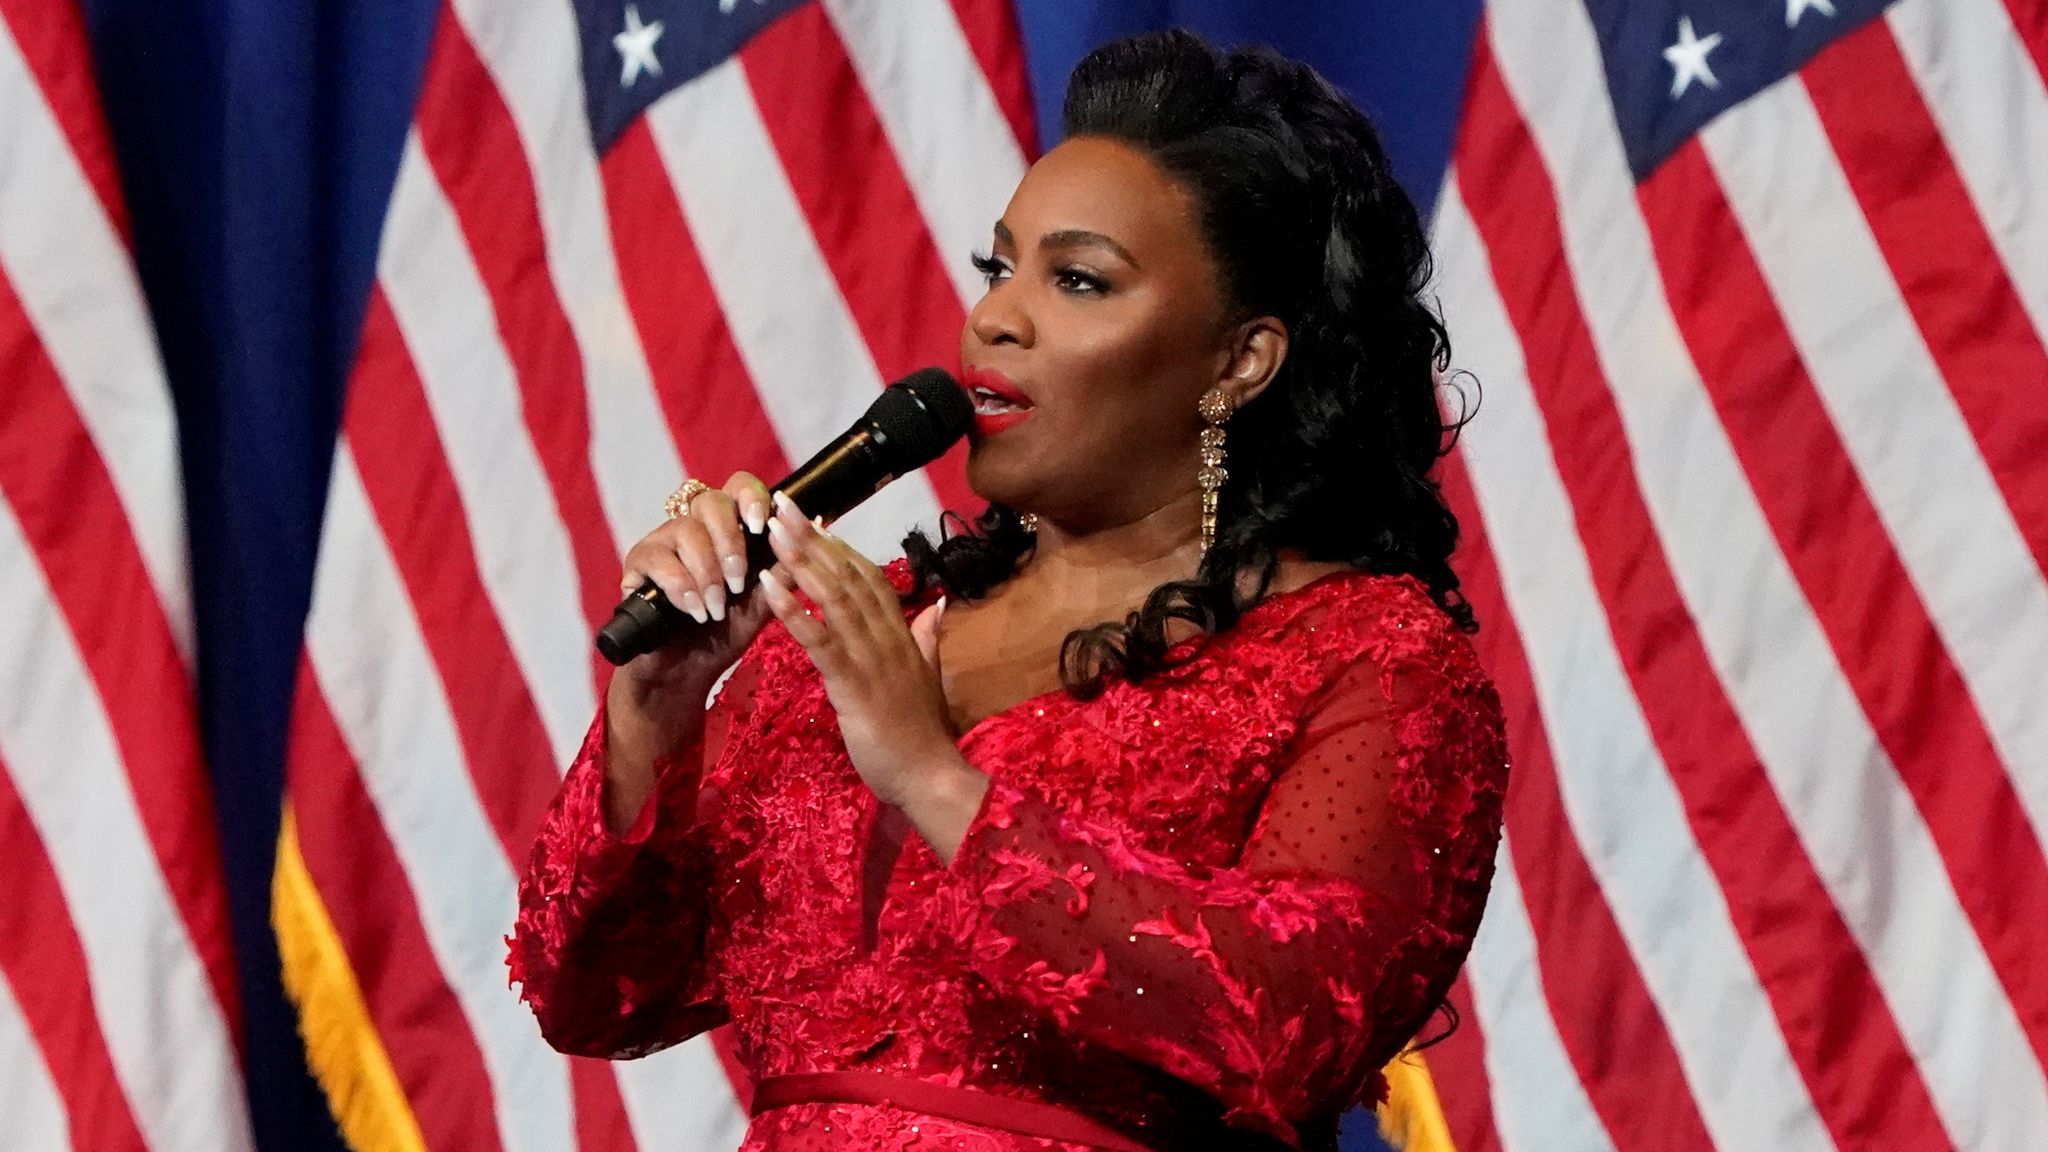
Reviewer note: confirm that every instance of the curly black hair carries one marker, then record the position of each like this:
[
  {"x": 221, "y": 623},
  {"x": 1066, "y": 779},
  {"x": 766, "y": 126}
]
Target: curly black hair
[{"x": 1302, "y": 215}]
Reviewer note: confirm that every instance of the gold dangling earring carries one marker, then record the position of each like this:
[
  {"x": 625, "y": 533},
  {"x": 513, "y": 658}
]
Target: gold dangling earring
[{"x": 1215, "y": 408}]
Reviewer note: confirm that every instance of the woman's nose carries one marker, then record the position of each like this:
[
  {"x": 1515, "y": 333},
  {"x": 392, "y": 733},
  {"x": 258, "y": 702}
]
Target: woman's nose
[{"x": 999, "y": 318}]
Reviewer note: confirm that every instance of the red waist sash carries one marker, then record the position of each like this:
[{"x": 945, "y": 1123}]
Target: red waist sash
[{"x": 968, "y": 1105}]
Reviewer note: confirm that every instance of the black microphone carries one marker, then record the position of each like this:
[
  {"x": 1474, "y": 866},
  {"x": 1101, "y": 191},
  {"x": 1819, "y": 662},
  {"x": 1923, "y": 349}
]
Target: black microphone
[{"x": 910, "y": 425}]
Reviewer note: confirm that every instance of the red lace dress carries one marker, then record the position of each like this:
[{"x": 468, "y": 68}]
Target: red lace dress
[{"x": 1201, "y": 911}]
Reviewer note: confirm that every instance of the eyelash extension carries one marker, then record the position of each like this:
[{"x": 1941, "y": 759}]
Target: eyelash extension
[{"x": 986, "y": 264}]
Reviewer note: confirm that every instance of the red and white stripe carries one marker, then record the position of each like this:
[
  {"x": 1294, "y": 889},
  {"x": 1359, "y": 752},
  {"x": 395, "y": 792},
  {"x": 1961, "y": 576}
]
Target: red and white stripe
[
  {"x": 1757, "y": 505},
  {"x": 554, "y": 338},
  {"x": 118, "y": 1013}
]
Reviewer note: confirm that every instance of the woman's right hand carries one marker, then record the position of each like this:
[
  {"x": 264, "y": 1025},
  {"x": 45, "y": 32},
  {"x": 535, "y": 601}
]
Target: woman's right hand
[{"x": 698, "y": 560}]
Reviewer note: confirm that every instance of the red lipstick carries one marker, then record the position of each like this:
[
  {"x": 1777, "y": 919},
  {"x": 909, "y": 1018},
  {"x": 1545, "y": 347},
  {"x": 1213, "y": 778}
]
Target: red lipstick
[{"x": 998, "y": 404}]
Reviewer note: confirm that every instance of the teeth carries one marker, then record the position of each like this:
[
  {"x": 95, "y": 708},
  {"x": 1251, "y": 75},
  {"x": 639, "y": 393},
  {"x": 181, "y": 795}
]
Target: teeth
[{"x": 988, "y": 403}]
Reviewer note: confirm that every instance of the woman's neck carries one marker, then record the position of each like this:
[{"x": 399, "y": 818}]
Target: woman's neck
[{"x": 1106, "y": 564}]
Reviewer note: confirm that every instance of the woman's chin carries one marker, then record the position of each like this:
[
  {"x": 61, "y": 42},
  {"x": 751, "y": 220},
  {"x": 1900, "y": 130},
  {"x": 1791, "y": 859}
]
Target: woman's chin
[{"x": 1000, "y": 475}]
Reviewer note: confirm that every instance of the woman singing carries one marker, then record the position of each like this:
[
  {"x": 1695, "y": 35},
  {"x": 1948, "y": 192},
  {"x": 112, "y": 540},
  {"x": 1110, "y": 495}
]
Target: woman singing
[{"x": 1158, "y": 811}]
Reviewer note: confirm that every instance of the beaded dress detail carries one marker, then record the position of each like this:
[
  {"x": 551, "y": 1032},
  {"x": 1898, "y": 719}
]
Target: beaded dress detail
[{"x": 1204, "y": 909}]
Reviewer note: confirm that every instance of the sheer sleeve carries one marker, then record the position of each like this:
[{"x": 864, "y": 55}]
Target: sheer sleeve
[
  {"x": 1279, "y": 985},
  {"x": 615, "y": 944}
]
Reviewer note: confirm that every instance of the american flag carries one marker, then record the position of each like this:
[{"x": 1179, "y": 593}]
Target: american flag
[
  {"x": 118, "y": 1003},
  {"x": 1757, "y": 511},
  {"x": 627, "y": 243}
]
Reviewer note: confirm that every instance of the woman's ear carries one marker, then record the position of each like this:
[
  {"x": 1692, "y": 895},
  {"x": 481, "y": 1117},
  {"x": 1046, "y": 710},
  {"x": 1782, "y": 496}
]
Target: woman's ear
[{"x": 1258, "y": 348}]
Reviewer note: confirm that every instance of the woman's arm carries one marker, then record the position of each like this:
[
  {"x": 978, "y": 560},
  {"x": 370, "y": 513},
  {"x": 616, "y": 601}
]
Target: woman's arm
[
  {"x": 615, "y": 944},
  {"x": 1282, "y": 984}
]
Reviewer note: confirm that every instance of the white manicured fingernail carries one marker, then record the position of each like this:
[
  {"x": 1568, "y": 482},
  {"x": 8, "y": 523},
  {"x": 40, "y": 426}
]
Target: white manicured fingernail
[
  {"x": 695, "y": 607},
  {"x": 757, "y": 519},
  {"x": 780, "y": 533},
  {"x": 787, "y": 506},
  {"x": 735, "y": 573},
  {"x": 714, "y": 600},
  {"x": 772, "y": 585}
]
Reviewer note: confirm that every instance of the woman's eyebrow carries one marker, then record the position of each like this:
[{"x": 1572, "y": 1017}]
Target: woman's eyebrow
[
  {"x": 1082, "y": 238},
  {"x": 1068, "y": 238}
]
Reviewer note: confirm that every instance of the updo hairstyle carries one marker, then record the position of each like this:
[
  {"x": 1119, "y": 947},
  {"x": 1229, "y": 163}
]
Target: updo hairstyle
[{"x": 1305, "y": 223}]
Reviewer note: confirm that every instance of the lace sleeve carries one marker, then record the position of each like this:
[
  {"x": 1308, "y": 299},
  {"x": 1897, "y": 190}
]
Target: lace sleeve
[
  {"x": 1280, "y": 985},
  {"x": 614, "y": 948}
]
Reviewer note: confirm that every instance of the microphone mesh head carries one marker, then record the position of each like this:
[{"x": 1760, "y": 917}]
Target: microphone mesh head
[{"x": 921, "y": 416}]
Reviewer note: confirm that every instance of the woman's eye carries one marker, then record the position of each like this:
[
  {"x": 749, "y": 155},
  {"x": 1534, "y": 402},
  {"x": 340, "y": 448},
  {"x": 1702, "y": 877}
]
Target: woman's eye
[
  {"x": 1078, "y": 281},
  {"x": 991, "y": 268}
]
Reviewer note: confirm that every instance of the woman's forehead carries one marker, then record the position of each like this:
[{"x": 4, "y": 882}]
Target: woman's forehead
[{"x": 1093, "y": 185}]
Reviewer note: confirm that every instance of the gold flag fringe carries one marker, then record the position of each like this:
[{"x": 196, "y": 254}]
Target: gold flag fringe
[
  {"x": 342, "y": 1045},
  {"x": 1412, "y": 1118}
]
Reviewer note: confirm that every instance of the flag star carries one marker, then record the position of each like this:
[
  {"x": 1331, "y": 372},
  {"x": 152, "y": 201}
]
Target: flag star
[
  {"x": 636, "y": 48},
  {"x": 725, "y": 7},
  {"x": 1688, "y": 58},
  {"x": 1794, "y": 9}
]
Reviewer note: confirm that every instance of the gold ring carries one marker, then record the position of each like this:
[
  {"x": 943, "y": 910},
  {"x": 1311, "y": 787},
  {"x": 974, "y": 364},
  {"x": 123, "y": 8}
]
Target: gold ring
[{"x": 678, "y": 503}]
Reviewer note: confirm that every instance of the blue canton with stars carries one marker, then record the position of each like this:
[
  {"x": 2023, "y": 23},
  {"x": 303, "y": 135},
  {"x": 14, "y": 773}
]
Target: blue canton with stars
[
  {"x": 1674, "y": 65},
  {"x": 634, "y": 53}
]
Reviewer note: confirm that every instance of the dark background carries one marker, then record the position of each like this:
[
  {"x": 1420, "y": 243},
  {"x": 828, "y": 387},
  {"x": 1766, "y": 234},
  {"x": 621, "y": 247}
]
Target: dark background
[{"x": 258, "y": 140}]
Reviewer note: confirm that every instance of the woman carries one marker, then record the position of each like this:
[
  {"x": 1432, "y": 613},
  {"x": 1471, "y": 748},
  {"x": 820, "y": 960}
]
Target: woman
[{"x": 978, "y": 870}]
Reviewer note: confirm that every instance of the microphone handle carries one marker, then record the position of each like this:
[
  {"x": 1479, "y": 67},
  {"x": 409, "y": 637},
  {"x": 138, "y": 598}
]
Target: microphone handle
[{"x": 829, "y": 484}]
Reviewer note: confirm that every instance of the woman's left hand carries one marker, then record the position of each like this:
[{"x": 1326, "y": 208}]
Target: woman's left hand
[{"x": 881, "y": 674}]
